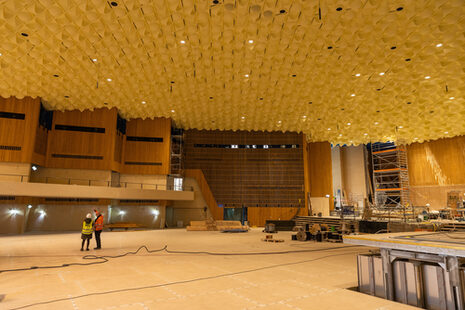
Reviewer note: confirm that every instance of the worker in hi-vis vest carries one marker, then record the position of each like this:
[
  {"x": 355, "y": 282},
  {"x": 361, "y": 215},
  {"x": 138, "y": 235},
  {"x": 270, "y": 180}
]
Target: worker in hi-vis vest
[
  {"x": 86, "y": 231},
  {"x": 98, "y": 227}
]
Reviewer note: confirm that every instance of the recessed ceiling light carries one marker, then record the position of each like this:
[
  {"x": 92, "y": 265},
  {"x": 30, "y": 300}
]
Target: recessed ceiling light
[
  {"x": 353, "y": 95},
  {"x": 0, "y": 54},
  {"x": 279, "y": 122},
  {"x": 109, "y": 80},
  {"x": 376, "y": 123},
  {"x": 340, "y": 135},
  {"x": 172, "y": 111},
  {"x": 451, "y": 98},
  {"x": 243, "y": 117},
  {"x": 358, "y": 74},
  {"x": 143, "y": 102},
  {"x": 381, "y": 73},
  {"x": 401, "y": 127},
  {"x": 182, "y": 42},
  {"x": 439, "y": 45},
  {"x": 348, "y": 124},
  {"x": 427, "y": 77},
  {"x": 246, "y": 75},
  {"x": 446, "y": 132},
  {"x": 250, "y": 41},
  {"x": 94, "y": 59},
  {"x": 329, "y": 128},
  {"x": 365, "y": 134},
  {"x": 305, "y": 116}
]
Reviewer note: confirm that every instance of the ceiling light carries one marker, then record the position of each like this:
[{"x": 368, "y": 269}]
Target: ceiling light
[
  {"x": 250, "y": 41},
  {"x": 0, "y": 54},
  {"x": 305, "y": 116},
  {"x": 348, "y": 124},
  {"x": 279, "y": 122},
  {"x": 451, "y": 98},
  {"x": 34, "y": 168},
  {"x": 400, "y": 127},
  {"x": 427, "y": 77},
  {"x": 376, "y": 123},
  {"x": 446, "y": 132},
  {"x": 182, "y": 42},
  {"x": 246, "y": 75},
  {"x": 358, "y": 74},
  {"x": 29, "y": 206},
  {"x": 122, "y": 212},
  {"x": 329, "y": 128},
  {"x": 353, "y": 95},
  {"x": 381, "y": 73},
  {"x": 143, "y": 102},
  {"x": 340, "y": 135},
  {"x": 172, "y": 111},
  {"x": 109, "y": 80},
  {"x": 243, "y": 117},
  {"x": 439, "y": 45},
  {"x": 94, "y": 59},
  {"x": 365, "y": 134}
]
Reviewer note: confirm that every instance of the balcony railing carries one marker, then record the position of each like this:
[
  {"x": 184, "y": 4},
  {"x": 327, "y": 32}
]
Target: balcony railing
[{"x": 90, "y": 182}]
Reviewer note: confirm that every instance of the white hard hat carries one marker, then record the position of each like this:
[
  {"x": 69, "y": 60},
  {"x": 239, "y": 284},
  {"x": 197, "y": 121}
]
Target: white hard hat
[{"x": 88, "y": 215}]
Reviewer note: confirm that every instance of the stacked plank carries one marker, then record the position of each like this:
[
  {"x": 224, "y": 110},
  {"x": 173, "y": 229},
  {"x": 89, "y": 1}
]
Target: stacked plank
[{"x": 211, "y": 225}]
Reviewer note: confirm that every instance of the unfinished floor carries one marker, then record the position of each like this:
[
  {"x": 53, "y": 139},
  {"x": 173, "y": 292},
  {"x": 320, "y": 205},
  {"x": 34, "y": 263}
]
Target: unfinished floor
[{"x": 306, "y": 280}]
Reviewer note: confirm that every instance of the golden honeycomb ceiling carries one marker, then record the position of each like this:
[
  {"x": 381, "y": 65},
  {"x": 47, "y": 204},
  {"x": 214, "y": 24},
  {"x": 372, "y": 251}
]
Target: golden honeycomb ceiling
[{"x": 350, "y": 71}]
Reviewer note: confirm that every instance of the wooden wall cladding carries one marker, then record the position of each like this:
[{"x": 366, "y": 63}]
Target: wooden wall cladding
[
  {"x": 207, "y": 194},
  {"x": 82, "y": 140},
  {"x": 251, "y": 177},
  {"x": 320, "y": 169},
  {"x": 439, "y": 162},
  {"x": 18, "y": 123},
  {"x": 146, "y": 147}
]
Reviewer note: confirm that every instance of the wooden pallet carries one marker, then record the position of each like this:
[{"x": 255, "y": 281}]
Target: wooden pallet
[{"x": 273, "y": 240}]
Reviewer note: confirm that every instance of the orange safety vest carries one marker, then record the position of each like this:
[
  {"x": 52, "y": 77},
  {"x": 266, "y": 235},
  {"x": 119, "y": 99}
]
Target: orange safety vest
[{"x": 98, "y": 225}]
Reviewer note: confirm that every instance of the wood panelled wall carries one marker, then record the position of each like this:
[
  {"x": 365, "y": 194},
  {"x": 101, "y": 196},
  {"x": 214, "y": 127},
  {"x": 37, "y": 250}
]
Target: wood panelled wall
[
  {"x": 248, "y": 176},
  {"x": 436, "y": 168},
  {"x": 147, "y": 146},
  {"x": 320, "y": 170},
  {"x": 83, "y": 140},
  {"x": 207, "y": 194},
  {"x": 440, "y": 162},
  {"x": 18, "y": 122}
]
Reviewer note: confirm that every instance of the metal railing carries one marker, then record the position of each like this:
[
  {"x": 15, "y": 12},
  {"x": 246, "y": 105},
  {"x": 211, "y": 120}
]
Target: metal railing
[{"x": 91, "y": 182}]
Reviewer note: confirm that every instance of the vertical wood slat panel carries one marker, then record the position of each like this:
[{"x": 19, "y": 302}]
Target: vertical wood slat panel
[
  {"x": 19, "y": 133},
  {"x": 320, "y": 170}
]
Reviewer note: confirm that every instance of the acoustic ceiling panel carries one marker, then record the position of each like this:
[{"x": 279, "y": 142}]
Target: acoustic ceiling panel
[{"x": 349, "y": 71}]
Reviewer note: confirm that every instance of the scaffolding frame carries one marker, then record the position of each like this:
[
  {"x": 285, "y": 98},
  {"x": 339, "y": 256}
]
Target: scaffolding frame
[
  {"x": 390, "y": 178},
  {"x": 176, "y": 152}
]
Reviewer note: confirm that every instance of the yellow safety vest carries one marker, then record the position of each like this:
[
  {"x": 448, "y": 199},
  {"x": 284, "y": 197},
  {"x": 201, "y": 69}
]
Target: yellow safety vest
[{"x": 87, "y": 228}]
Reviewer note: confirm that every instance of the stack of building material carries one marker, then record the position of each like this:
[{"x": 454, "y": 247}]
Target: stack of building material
[
  {"x": 208, "y": 225},
  {"x": 231, "y": 226},
  {"x": 211, "y": 225}
]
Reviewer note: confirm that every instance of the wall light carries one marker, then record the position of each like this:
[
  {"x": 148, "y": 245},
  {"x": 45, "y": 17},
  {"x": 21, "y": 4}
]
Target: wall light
[
  {"x": 122, "y": 212},
  {"x": 14, "y": 212},
  {"x": 29, "y": 206},
  {"x": 155, "y": 212},
  {"x": 34, "y": 168},
  {"x": 42, "y": 213}
]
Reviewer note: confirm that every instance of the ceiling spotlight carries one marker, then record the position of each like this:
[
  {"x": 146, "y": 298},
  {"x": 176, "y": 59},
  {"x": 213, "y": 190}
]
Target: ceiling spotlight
[
  {"x": 143, "y": 102},
  {"x": 340, "y": 135},
  {"x": 381, "y": 73},
  {"x": 172, "y": 111},
  {"x": 376, "y": 123},
  {"x": 451, "y": 98},
  {"x": 305, "y": 116},
  {"x": 446, "y": 132},
  {"x": 353, "y": 95},
  {"x": 109, "y": 80},
  {"x": 279, "y": 122},
  {"x": 182, "y": 42},
  {"x": 246, "y": 75},
  {"x": 427, "y": 77},
  {"x": 400, "y": 127},
  {"x": 348, "y": 124},
  {"x": 365, "y": 134},
  {"x": 250, "y": 41},
  {"x": 358, "y": 74},
  {"x": 329, "y": 128},
  {"x": 94, "y": 59},
  {"x": 0, "y": 54},
  {"x": 243, "y": 117},
  {"x": 415, "y": 138},
  {"x": 439, "y": 45}
]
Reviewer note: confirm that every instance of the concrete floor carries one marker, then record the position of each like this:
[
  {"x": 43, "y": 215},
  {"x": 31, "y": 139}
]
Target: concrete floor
[{"x": 310, "y": 280}]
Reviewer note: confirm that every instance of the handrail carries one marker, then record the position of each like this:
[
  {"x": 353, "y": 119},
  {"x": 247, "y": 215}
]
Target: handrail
[{"x": 91, "y": 182}]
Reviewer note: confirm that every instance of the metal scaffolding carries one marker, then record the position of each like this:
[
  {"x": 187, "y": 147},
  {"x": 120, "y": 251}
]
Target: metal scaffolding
[
  {"x": 390, "y": 176},
  {"x": 176, "y": 162}
]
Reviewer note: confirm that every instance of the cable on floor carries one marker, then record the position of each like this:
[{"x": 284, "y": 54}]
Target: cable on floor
[
  {"x": 101, "y": 259},
  {"x": 183, "y": 281}
]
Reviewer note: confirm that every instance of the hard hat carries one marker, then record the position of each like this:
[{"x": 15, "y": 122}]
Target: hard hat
[{"x": 88, "y": 215}]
